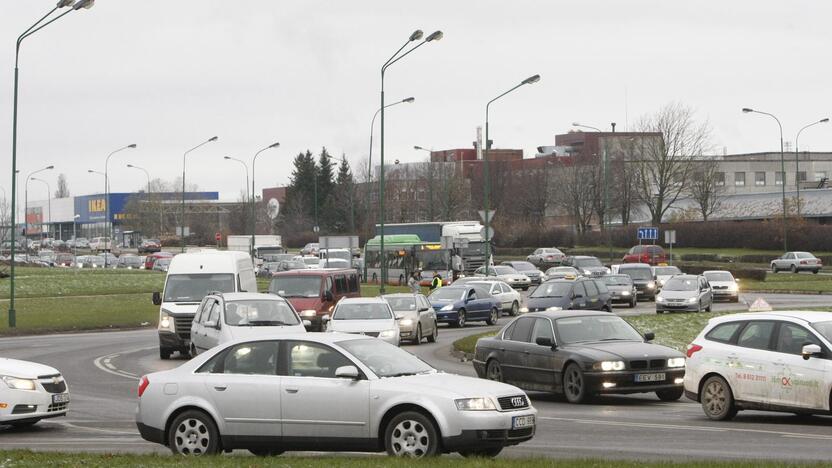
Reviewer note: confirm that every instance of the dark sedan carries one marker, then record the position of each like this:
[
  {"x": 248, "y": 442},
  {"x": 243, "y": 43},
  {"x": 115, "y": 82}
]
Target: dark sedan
[
  {"x": 583, "y": 293},
  {"x": 622, "y": 289},
  {"x": 458, "y": 305},
  {"x": 580, "y": 354}
]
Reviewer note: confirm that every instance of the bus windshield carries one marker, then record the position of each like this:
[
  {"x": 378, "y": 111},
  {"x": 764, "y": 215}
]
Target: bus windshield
[{"x": 432, "y": 259}]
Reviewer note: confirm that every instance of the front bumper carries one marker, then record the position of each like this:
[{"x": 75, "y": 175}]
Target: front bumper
[
  {"x": 677, "y": 307},
  {"x": 644, "y": 291},
  {"x": 450, "y": 316},
  {"x": 625, "y": 381},
  {"x": 519, "y": 284},
  {"x": 31, "y": 405},
  {"x": 172, "y": 341},
  {"x": 725, "y": 294},
  {"x": 489, "y": 429},
  {"x": 620, "y": 299}
]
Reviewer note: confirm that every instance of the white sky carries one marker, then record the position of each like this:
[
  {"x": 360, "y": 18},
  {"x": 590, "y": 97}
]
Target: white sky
[{"x": 169, "y": 74}]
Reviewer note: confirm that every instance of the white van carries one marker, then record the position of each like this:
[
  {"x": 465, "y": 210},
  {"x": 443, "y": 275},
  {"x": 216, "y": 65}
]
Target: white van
[{"x": 191, "y": 277}]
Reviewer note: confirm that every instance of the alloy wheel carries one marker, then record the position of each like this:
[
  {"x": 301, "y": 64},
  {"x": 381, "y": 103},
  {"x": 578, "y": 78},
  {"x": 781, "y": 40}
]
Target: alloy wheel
[
  {"x": 192, "y": 437},
  {"x": 410, "y": 439}
]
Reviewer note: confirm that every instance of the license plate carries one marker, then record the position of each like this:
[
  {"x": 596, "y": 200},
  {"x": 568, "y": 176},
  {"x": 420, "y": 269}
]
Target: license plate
[
  {"x": 519, "y": 422},
  {"x": 650, "y": 377},
  {"x": 60, "y": 398}
]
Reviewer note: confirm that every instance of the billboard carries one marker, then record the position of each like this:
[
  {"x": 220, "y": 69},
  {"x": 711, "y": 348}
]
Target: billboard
[{"x": 93, "y": 208}]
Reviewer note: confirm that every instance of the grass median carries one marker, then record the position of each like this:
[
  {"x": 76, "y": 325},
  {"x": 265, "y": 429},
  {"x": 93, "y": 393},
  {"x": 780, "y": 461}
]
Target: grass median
[
  {"x": 790, "y": 282},
  {"x": 20, "y": 459}
]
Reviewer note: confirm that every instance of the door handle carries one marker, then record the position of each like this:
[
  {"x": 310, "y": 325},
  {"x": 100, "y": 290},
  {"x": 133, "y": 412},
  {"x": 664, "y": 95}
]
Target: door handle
[
  {"x": 220, "y": 388},
  {"x": 291, "y": 390}
]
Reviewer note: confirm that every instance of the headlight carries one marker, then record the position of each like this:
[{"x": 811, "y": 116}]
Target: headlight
[
  {"x": 523, "y": 310},
  {"x": 587, "y": 272},
  {"x": 388, "y": 333},
  {"x": 676, "y": 362},
  {"x": 475, "y": 404},
  {"x": 659, "y": 299},
  {"x": 165, "y": 321},
  {"x": 552, "y": 309},
  {"x": 19, "y": 384},
  {"x": 661, "y": 282},
  {"x": 448, "y": 307},
  {"x": 733, "y": 288},
  {"x": 625, "y": 293},
  {"x": 406, "y": 322},
  {"x": 651, "y": 285},
  {"x": 308, "y": 313},
  {"x": 609, "y": 365},
  {"x": 693, "y": 300}
]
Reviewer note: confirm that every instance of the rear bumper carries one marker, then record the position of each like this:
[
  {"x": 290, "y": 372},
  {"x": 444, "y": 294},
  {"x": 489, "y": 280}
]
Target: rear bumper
[
  {"x": 151, "y": 434},
  {"x": 677, "y": 307}
]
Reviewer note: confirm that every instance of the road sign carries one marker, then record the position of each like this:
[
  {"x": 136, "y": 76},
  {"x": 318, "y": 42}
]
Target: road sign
[
  {"x": 490, "y": 215},
  {"x": 273, "y": 208},
  {"x": 648, "y": 233},
  {"x": 489, "y": 233},
  {"x": 670, "y": 237}
]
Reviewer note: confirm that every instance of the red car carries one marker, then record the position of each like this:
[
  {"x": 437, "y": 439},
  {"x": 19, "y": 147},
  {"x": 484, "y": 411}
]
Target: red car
[
  {"x": 649, "y": 254},
  {"x": 151, "y": 259}
]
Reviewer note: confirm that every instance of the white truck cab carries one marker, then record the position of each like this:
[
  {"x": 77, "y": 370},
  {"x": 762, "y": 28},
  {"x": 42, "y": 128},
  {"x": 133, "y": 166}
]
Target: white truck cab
[{"x": 191, "y": 277}]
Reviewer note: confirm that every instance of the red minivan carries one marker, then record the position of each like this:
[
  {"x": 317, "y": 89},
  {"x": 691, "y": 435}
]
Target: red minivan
[
  {"x": 314, "y": 293},
  {"x": 650, "y": 254},
  {"x": 150, "y": 259}
]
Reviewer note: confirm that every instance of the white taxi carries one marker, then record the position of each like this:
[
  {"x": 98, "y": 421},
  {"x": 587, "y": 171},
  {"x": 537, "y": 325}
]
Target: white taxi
[{"x": 775, "y": 361}]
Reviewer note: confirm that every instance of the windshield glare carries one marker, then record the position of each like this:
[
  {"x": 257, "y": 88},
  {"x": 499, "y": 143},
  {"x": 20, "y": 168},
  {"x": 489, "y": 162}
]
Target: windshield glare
[
  {"x": 720, "y": 276},
  {"x": 617, "y": 280},
  {"x": 373, "y": 311},
  {"x": 450, "y": 294},
  {"x": 259, "y": 312},
  {"x": 587, "y": 262},
  {"x": 384, "y": 359},
  {"x": 681, "y": 284},
  {"x": 296, "y": 286},
  {"x": 401, "y": 303},
  {"x": 555, "y": 289},
  {"x": 194, "y": 287},
  {"x": 595, "y": 328}
]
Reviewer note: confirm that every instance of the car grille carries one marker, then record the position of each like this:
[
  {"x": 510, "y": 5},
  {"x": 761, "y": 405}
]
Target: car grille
[
  {"x": 676, "y": 301},
  {"x": 720, "y": 287},
  {"x": 57, "y": 407},
  {"x": 182, "y": 325},
  {"x": 651, "y": 364},
  {"x": 54, "y": 387},
  {"x": 373, "y": 334},
  {"x": 513, "y": 402}
]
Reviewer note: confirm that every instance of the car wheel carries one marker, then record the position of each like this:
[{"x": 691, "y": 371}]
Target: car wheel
[
  {"x": 417, "y": 340},
  {"x": 717, "y": 399},
  {"x": 515, "y": 309},
  {"x": 265, "y": 452},
  {"x": 699, "y": 307},
  {"x": 193, "y": 433},
  {"x": 401, "y": 280},
  {"x": 672, "y": 394},
  {"x": 192, "y": 351},
  {"x": 607, "y": 308},
  {"x": 493, "y": 371},
  {"x": 411, "y": 434},
  {"x": 526, "y": 288},
  {"x": 774, "y": 268},
  {"x": 164, "y": 353},
  {"x": 435, "y": 335},
  {"x": 23, "y": 425},
  {"x": 493, "y": 316},
  {"x": 710, "y": 306},
  {"x": 484, "y": 452},
  {"x": 460, "y": 319},
  {"x": 793, "y": 269},
  {"x": 633, "y": 303},
  {"x": 814, "y": 272},
  {"x": 574, "y": 386}
]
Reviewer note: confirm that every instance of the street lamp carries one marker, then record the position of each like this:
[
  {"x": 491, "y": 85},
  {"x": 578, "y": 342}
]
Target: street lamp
[
  {"x": 605, "y": 221},
  {"x": 747, "y": 110},
  {"x": 797, "y": 161},
  {"x": 245, "y": 167},
  {"x": 26, "y": 200},
  {"x": 253, "y": 199},
  {"x": 415, "y": 36},
  {"x": 49, "y": 206},
  {"x": 87, "y": 4},
  {"x": 75, "y": 237},
  {"x": 530, "y": 80},
  {"x": 147, "y": 174},
  {"x": 184, "y": 156},
  {"x": 109, "y": 241}
]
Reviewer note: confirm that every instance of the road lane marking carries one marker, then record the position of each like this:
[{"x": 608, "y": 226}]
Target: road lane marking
[
  {"x": 688, "y": 428},
  {"x": 105, "y": 364}
]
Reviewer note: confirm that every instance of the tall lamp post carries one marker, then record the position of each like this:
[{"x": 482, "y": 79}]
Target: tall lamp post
[
  {"x": 797, "y": 161},
  {"x": 39, "y": 24},
  {"x": 486, "y": 200},
  {"x": 245, "y": 168},
  {"x": 253, "y": 199},
  {"x": 415, "y": 36},
  {"x": 109, "y": 242},
  {"x": 605, "y": 221},
  {"x": 184, "y": 156},
  {"x": 147, "y": 174},
  {"x": 26, "y": 199},
  {"x": 48, "y": 207},
  {"x": 782, "y": 169},
  {"x": 370, "y": 158}
]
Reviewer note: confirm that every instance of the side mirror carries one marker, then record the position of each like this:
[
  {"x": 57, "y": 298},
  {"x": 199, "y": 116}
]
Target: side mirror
[
  {"x": 577, "y": 296},
  {"x": 809, "y": 351},
  {"x": 307, "y": 324},
  {"x": 649, "y": 336},
  {"x": 325, "y": 318},
  {"x": 424, "y": 309},
  {"x": 157, "y": 298},
  {"x": 328, "y": 297},
  {"x": 545, "y": 341},
  {"x": 347, "y": 372}
]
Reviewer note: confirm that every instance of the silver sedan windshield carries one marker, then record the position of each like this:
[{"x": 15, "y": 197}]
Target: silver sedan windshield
[{"x": 384, "y": 359}]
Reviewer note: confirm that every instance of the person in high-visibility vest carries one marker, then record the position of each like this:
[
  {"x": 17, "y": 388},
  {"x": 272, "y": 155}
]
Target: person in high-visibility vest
[{"x": 436, "y": 283}]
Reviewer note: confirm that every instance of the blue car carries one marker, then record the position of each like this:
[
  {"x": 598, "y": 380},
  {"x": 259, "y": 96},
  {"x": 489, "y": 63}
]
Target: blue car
[{"x": 457, "y": 305}]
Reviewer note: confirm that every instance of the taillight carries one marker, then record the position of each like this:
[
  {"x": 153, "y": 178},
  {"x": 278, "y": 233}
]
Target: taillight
[
  {"x": 692, "y": 348},
  {"x": 143, "y": 384},
  {"x": 803, "y": 262}
]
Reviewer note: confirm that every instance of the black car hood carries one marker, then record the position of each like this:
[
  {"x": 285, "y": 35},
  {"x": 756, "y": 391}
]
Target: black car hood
[
  {"x": 534, "y": 303},
  {"x": 621, "y": 350}
]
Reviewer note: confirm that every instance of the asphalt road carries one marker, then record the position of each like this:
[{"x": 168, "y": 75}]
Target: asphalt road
[{"x": 103, "y": 370}]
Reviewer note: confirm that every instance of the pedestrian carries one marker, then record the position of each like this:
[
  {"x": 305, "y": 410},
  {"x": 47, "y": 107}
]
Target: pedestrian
[
  {"x": 456, "y": 266},
  {"x": 436, "y": 282},
  {"x": 413, "y": 282}
]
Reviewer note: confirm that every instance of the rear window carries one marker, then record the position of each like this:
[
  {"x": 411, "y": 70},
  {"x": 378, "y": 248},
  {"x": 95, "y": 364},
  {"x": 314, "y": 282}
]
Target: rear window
[{"x": 724, "y": 332}]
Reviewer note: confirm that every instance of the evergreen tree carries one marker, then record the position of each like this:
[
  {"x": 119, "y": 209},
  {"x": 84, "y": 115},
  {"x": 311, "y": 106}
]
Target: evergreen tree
[
  {"x": 344, "y": 198},
  {"x": 301, "y": 190},
  {"x": 326, "y": 185}
]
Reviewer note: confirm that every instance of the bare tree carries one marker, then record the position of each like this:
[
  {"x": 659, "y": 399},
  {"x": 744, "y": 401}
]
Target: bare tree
[
  {"x": 705, "y": 188},
  {"x": 664, "y": 169},
  {"x": 573, "y": 195},
  {"x": 63, "y": 188}
]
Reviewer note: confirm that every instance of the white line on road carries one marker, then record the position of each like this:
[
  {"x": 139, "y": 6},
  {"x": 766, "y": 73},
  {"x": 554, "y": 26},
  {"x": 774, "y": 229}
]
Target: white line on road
[{"x": 104, "y": 363}]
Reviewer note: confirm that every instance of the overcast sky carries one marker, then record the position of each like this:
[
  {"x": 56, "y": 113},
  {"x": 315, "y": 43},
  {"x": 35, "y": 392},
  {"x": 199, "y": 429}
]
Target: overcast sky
[{"x": 168, "y": 74}]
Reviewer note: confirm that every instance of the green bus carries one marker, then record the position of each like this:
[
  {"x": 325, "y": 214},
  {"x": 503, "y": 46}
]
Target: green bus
[{"x": 403, "y": 254}]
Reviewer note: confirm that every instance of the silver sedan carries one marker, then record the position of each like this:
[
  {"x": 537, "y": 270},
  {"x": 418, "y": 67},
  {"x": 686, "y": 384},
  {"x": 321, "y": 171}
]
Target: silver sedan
[{"x": 331, "y": 392}]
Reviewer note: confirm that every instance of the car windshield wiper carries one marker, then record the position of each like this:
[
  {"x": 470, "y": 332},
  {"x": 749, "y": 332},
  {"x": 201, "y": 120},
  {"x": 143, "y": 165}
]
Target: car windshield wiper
[
  {"x": 401, "y": 374},
  {"x": 545, "y": 296},
  {"x": 618, "y": 339},
  {"x": 261, "y": 323}
]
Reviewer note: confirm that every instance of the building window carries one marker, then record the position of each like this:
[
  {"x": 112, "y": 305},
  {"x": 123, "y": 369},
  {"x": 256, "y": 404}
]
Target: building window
[
  {"x": 739, "y": 179},
  {"x": 801, "y": 176},
  {"x": 720, "y": 179},
  {"x": 759, "y": 178},
  {"x": 778, "y": 178},
  {"x": 820, "y": 175}
]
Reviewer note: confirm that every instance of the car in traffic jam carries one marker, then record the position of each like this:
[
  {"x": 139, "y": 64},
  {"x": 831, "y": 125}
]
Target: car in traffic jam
[{"x": 458, "y": 305}]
